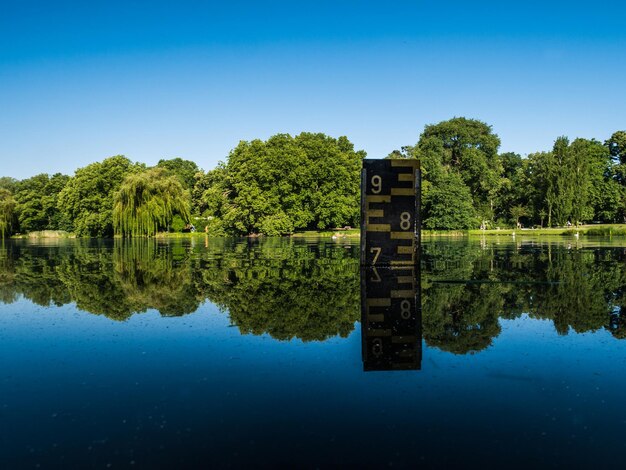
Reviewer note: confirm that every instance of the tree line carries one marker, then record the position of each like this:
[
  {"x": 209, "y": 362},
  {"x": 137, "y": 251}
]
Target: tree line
[
  {"x": 467, "y": 183},
  {"x": 311, "y": 182}
]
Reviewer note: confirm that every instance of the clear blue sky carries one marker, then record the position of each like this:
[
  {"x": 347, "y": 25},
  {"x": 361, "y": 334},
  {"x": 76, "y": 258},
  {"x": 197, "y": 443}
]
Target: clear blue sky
[{"x": 80, "y": 81}]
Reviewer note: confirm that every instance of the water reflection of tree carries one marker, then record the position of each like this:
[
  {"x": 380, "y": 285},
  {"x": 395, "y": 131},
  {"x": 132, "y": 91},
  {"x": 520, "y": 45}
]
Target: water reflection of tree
[
  {"x": 151, "y": 276},
  {"x": 581, "y": 289},
  {"x": 287, "y": 289},
  {"x": 115, "y": 280},
  {"x": 8, "y": 294},
  {"x": 35, "y": 274},
  {"x": 582, "y": 292},
  {"x": 282, "y": 287},
  {"x": 462, "y": 320},
  {"x": 291, "y": 289},
  {"x": 129, "y": 277},
  {"x": 288, "y": 299}
]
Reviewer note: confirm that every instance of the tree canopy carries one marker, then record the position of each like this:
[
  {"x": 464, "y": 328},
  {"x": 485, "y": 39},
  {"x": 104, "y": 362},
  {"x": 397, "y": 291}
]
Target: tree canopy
[
  {"x": 7, "y": 212},
  {"x": 448, "y": 204},
  {"x": 185, "y": 170},
  {"x": 617, "y": 146},
  {"x": 469, "y": 148},
  {"x": 291, "y": 289},
  {"x": 311, "y": 182},
  {"x": 148, "y": 201},
  {"x": 286, "y": 183},
  {"x": 86, "y": 201},
  {"x": 580, "y": 181},
  {"x": 37, "y": 202}
]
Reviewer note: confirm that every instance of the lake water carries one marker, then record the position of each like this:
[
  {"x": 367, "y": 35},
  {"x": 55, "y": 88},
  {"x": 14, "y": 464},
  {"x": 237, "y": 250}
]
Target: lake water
[{"x": 235, "y": 353}]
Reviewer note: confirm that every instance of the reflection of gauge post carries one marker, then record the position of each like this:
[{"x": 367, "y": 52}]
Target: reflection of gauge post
[
  {"x": 391, "y": 336},
  {"x": 390, "y": 239}
]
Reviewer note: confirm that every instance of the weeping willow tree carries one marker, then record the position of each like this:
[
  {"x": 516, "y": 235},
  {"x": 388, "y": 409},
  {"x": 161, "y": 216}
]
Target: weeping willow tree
[
  {"x": 7, "y": 210},
  {"x": 147, "y": 202}
]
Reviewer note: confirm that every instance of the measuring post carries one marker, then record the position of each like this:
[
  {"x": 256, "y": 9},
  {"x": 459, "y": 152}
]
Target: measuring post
[
  {"x": 390, "y": 212},
  {"x": 390, "y": 283}
]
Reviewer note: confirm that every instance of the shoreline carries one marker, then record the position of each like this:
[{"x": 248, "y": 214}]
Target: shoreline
[{"x": 596, "y": 230}]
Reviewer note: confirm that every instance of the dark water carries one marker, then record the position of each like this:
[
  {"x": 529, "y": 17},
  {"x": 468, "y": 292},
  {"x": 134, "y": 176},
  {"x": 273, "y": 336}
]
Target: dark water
[{"x": 221, "y": 353}]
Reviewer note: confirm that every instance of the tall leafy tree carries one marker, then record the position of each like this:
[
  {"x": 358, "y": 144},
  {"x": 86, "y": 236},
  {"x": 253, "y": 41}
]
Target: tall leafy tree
[
  {"x": 552, "y": 177},
  {"x": 617, "y": 146},
  {"x": 562, "y": 187},
  {"x": 287, "y": 183},
  {"x": 209, "y": 191},
  {"x": 517, "y": 212},
  {"x": 470, "y": 148},
  {"x": 37, "y": 200},
  {"x": 539, "y": 169},
  {"x": 448, "y": 204},
  {"x": 596, "y": 193},
  {"x": 513, "y": 190},
  {"x": 574, "y": 181},
  {"x": 8, "y": 183},
  {"x": 147, "y": 202},
  {"x": 7, "y": 212},
  {"x": 185, "y": 170},
  {"x": 86, "y": 201}
]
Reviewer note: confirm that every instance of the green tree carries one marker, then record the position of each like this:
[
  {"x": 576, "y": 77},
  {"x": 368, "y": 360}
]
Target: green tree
[
  {"x": 448, "y": 204},
  {"x": 185, "y": 170},
  {"x": 8, "y": 183},
  {"x": 513, "y": 189},
  {"x": 572, "y": 182},
  {"x": 517, "y": 212},
  {"x": 562, "y": 188},
  {"x": 7, "y": 212},
  {"x": 553, "y": 179},
  {"x": 86, "y": 201},
  {"x": 210, "y": 200},
  {"x": 405, "y": 152},
  {"x": 511, "y": 162},
  {"x": 470, "y": 148},
  {"x": 37, "y": 201},
  {"x": 617, "y": 146},
  {"x": 207, "y": 196},
  {"x": 147, "y": 202},
  {"x": 597, "y": 195},
  {"x": 539, "y": 169},
  {"x": 285, "y": 184}
]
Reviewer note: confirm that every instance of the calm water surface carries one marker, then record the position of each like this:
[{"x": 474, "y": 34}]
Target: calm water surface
[{"x": 234, "y": 353}]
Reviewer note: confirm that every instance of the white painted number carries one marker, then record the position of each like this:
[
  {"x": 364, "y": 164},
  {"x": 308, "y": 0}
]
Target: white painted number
[
  {"x": 377, "y": 184},
  {"x": 376, "y": 252},
  {"x": 405, "y": 221}
]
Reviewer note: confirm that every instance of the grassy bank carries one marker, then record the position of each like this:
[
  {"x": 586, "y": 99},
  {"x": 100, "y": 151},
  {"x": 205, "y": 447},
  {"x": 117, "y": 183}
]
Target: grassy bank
[
  {"x": 351, "y": 233},
  {"x": 46, "y": 234},
  {"x": 599, "y": 230},
  {"x": 180, "y": 234}
]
